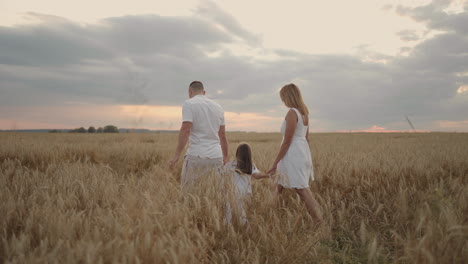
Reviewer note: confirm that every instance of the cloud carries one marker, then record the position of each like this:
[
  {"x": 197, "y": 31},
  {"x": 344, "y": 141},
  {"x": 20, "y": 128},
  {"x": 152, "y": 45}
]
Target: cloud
[
  {"x": 118, "y": 58},
  {"x": 435, "y": 16},
  {"x": 210, "y": 9},
  {"x": 387, "y": 7},
  {"x": 408, "y": 35},
  {"x": 149, "y": 60},
  {"x": 47, "y": 44},
  {"x": 154, "y": 34}
]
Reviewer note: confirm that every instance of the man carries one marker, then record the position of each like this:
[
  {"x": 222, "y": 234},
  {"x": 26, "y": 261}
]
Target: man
[{"x": 202, "y": 123}]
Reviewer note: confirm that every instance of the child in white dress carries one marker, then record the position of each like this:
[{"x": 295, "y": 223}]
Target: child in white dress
[{"x": 241, "y": 171}]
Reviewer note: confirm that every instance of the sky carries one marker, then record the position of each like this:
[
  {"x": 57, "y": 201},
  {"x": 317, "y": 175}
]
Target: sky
[{"x": 361, "y": 65}]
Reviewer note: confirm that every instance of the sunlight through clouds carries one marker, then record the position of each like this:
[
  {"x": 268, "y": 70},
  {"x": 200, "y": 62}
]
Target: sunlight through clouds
[{"x": 462, "y": 89}]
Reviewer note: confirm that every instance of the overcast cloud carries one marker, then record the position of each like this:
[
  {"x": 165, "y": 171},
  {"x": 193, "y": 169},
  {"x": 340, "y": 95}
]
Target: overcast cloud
[{"x": 150, "y": 59}]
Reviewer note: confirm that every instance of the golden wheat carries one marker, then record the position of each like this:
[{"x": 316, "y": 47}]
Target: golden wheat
[{"x": 102, "y": 198}]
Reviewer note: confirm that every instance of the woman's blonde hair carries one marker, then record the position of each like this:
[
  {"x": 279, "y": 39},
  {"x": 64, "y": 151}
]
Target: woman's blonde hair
[{"x": 292, "y": 97}]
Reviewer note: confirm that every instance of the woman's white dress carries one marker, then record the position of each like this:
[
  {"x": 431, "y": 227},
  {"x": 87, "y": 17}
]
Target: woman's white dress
[{"x": 295, "y": 169}]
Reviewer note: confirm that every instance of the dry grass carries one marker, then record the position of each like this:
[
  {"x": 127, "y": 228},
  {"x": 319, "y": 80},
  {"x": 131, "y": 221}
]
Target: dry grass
[{"x": 387, "y": 198}]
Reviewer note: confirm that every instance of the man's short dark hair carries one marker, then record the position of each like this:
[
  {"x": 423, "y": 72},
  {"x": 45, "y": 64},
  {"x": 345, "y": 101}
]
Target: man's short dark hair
[{"x": 197, "y": 85}]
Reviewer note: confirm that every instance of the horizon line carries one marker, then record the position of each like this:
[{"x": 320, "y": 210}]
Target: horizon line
[{"x": 234, "y": 131}]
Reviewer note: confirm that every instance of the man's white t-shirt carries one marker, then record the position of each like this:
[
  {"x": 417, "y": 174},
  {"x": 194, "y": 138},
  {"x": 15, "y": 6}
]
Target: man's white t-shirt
[{"x": 206, "y": 117}]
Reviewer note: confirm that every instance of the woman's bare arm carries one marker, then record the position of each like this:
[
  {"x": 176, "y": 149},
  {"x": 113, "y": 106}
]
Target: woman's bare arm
[{"x": 291, "y": 121}]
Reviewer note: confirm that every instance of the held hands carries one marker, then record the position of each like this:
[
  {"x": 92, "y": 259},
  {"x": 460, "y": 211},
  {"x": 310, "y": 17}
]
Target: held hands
[
  {"x": 261, "y": 176},
  {"x": 269, "y": 174},
  {"x": 273, "y": 169}
]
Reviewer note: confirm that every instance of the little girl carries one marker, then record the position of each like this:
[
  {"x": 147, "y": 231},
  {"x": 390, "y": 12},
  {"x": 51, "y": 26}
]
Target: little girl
[{"x": 241, "y": 171}]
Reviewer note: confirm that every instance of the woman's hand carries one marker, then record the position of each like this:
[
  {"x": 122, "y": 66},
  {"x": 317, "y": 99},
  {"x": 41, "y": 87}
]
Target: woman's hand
[{"x": 273, "y": 169}]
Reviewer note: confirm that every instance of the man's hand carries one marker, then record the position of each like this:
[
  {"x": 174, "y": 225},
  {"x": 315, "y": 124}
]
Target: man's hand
[
  {"x": 184, "y": 135},
  {"x": 173, "y": 162},
  {"x": 224, "y": 143}
]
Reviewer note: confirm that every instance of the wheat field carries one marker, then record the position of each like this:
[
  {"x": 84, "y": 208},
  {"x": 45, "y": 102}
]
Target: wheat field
[{"x": 110, "y": 198}]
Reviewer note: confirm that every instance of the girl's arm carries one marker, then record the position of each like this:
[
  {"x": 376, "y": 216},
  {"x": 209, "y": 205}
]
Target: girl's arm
[
  {"x": 291, "y": 120},
  {"x": 260, "y": 175}
]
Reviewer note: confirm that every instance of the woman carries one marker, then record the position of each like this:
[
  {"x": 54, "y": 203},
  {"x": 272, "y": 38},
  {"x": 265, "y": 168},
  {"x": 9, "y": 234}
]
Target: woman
[{"x": 294, "y": 162}]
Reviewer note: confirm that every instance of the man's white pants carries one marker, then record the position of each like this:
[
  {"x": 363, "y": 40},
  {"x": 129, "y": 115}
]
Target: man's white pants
[{"x": 195, "y": 167}]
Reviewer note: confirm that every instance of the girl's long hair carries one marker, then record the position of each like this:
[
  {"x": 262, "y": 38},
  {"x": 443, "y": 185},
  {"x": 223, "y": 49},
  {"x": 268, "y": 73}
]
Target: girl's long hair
[
  {"x": 244, "y": 158},
  {"x": 292, "y": 97}
]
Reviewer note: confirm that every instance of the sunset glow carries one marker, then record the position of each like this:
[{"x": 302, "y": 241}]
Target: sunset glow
[
  {"x": 129, "y": 116},
  {"x": 454, "y": 124}
]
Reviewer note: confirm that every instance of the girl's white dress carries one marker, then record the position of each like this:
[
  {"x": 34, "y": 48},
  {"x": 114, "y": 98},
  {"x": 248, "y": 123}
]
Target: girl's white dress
[
  {"x": 241, "y": 189},
  {"x": 295, "y": 169}
]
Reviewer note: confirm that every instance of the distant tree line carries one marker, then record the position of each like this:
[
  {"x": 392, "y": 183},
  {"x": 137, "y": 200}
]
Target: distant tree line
[{"x": 91, "y": 129}]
